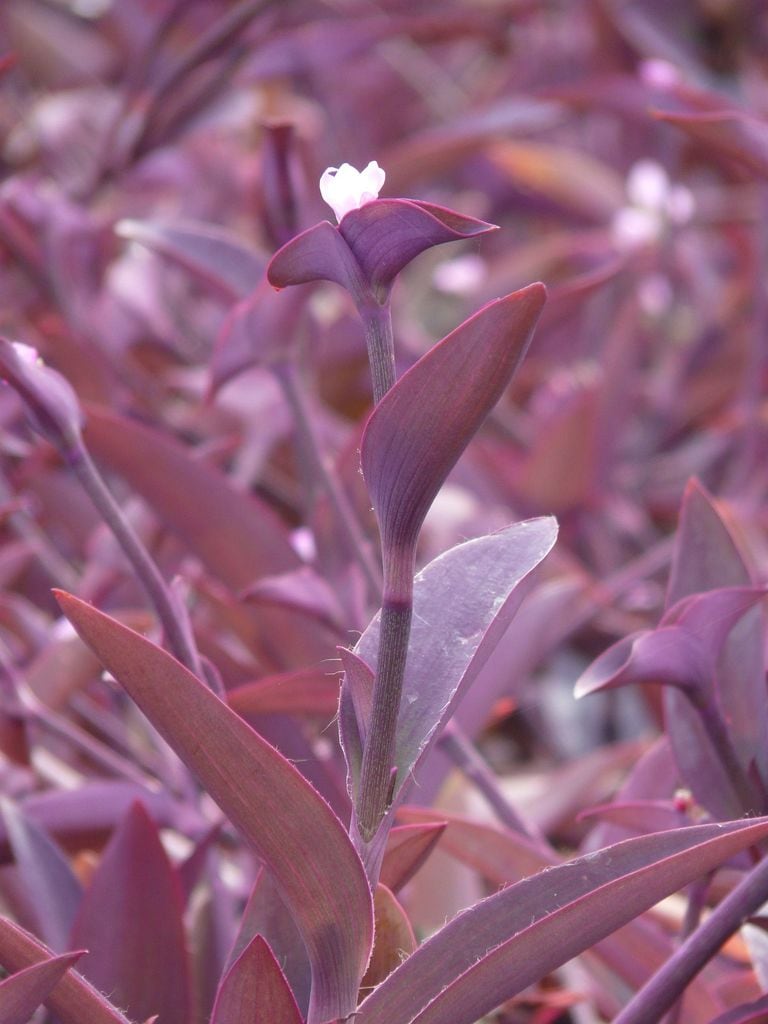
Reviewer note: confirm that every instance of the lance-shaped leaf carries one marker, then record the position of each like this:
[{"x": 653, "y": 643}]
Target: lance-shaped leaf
[
  {"x": 22, "y": 993},
  {"x": 53, "y": 891},
  {"x": 394, "y": 939},
  {"x": 408, "y": 847},
  {"x": 50, "y": 403},
  {"x": 255, "y": 989},
  {"x": 506, "y": 942},
  {"x": 371, "y": 245},
  {"x": 266, "y": 798},
  {"x": 130, "y": 921},
  {"x": 463, "y": 603},
  {"x": 416, "y": 434},
  {"x": 73, "y": 999},
  {"x": 218, "y": 259}
]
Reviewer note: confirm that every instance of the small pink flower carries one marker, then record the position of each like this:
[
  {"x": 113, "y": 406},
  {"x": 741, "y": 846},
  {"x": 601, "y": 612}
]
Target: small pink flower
[{"x": 345, "y": 188}]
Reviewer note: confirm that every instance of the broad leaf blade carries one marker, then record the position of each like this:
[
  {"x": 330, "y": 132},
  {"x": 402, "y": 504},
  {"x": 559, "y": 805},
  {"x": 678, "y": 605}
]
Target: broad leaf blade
[
  {"x": 131, "y": 923},
  {"x": 463, "y": 602},
  {"x": 255, "y": 989},
  {"x": 22, "y": 993},
  {"x": 494, "y": 950},
  {"x": 284, "y": 819}
]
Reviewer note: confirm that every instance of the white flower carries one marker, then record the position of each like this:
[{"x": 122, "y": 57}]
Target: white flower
[
  {"x": 653, "y": 203},
  {"x": 345, "y": 188}
]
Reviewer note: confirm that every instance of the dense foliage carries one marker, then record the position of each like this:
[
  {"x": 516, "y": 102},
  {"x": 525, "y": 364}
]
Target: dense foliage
[{"x": 319, "y": 512}]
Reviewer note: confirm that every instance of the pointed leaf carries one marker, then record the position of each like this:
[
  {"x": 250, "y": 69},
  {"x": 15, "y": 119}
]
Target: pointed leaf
[
  {"x": 386, "y": 234},
  {"x": 463, "y": 603},
  {"x": 510, "y": 940},
  {"x": 266, "y": 798},
  {"x": 131, "y": 923},
  {"x": 417, "y": 432},
  {"x": 318, "y": 254},
  {"x": 22, "y": 993},
  {"x": 255, "y": 542},
  {"x": 73, "y": 1000},
  {"x": 217, "y": 258},
  {"x": 255, "y": 989},
  {"x": 408, "y": 847},
  {"x": 54, "y": 891}
]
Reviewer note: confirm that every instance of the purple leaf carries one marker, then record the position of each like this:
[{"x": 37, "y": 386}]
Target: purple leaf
[
  {"x": 371, "y": 245},
  {"x": 706, "y": 557},
  {"x": 255, "y": 989},
  {"x": 53, "y": 891},
  {"x": 254, "y": 543},
  {"x": 302, "y": 589},
  {"x": 265, "y": 914},
  {"x": 416, "y": 434},
  {"x": 284, "y": 819},
  {"x": 463, "y": 602},
  {"x": 85, "y": 816},
  {"x": 308, "y": 691},
  {"x": 218, "y": 259},
  {"x": 319, "y": 254},
  {"x": 386, "y": 234},
  {"x": 408, "y": 847},
  {"x": 506, "y": 942},
  {"x": 131, "y": 923},
  {"x": 22, "y": 993},
  {"x": 73, "y": 1000},
  {"x": 394, "y": 938}
]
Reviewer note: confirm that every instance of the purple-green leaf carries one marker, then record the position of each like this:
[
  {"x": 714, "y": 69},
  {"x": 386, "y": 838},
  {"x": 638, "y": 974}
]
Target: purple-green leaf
[
  {"x": 255, "y": 989},
  {"x": 506, "y": 942},
  {"x": 130, "y": 921},
  {"x": 277, "y": 811},
  {"x": 22, "y": 993}
]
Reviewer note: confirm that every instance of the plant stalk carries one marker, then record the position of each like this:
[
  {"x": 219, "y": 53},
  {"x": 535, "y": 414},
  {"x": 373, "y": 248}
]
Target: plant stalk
[
  {"x": 670, "y": 982},
  {"x": 377, "y": 323},
  {"x": 157, "y": 590}
]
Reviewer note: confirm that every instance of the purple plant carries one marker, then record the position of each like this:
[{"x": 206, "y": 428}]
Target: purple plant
[{"x": 287, "y": 728}]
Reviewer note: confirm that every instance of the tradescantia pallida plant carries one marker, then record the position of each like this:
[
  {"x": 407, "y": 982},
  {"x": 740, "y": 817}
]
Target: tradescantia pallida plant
[{"x": 324, "y": 937}]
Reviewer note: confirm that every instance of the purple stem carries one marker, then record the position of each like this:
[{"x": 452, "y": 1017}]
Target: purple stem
[
  {"x": 377, "y": 781},
  {"x": 81, "y": 464},
  {"x": 669, "y": 983},
  {"x": 377, "y": 323}
]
